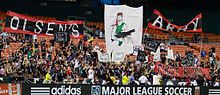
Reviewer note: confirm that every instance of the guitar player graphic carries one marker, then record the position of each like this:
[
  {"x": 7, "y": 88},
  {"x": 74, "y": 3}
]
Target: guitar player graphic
[{"x": 119, "y": 31}]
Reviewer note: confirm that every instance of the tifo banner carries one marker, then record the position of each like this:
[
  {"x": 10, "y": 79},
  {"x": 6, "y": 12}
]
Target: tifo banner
[
  {"x": 10, "y": 89},
  {"x": 103, "y": 57},
  {"x": 18, "y": 23},
  {"x": 118, "y": 56},
  {"x": 182, "y": 72},
  {"x": 158, "y": 21},
  {"x": 123, "y": 27},
  {"x": 68, "y": 89}
]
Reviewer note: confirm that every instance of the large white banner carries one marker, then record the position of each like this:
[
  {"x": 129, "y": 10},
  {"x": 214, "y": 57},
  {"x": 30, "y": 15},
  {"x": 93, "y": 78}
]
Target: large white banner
[{"x": 123, "y": 28}]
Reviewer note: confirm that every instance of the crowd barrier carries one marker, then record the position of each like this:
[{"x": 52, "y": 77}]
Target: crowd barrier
[{"x": 85, "y": 89}]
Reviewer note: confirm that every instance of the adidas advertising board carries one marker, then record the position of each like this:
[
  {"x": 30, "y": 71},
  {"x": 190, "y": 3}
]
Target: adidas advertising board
[
  {"x": 64, "y": 89},
  {"x": 55, "y": 89}
]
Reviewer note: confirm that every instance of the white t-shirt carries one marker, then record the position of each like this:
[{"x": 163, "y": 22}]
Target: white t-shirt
[
  {"x": 91, "y": 74},
  {"x": 100, "y": 34},
  {"x": 216, "y": 84},
  {"x": 146, "y": 57},
  {"x": 76, "y": 65},
  {"x": 2, "y": 71},
  {"x": 137, "y": 62},
  {"x": 96, "y": 49},
  {"x": 194, "y": 83},
  {"x": 156, "y": 80},
  {"x": 137, "y": 82},
  {"x": 169, "y": 83},
  {"x": 143, "y": 79},
  {"x": 34, "y": 37},
  {"x": 152, "y": 67},
  {"x": 84, "y": 81},
  {"x": 117, "y": 82}
]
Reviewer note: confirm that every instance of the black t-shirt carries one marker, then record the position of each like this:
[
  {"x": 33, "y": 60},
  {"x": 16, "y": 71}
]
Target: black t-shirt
[
  {"x": 132, "y": 83},
  {"x": 43, "y": 50},
  {"x": 83, "y": 73},
  {"x": 178, "y": 57},
  {"x": 85, "y": 48},
  {"x": 213, "y": 49},
  {"x": 101, "y": 73},
  {"x": 1, "y": 46},
  {"x": 60, "y": 77},
  {"x": 210, "y": 54},
  {"x": 25, "y": 50},
  {"x": 110, "y": 81},
  {"x": 36, "y": 45},
  {"x": 200, "y": 81},
  {"x": 52, "y": 42},
  {"x": 163, "y": 58}
]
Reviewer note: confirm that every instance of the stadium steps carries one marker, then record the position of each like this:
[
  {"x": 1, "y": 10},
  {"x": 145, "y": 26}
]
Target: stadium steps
[
  {"x": 157, "y": 34},
  {"x": 13, "y": 47},
  {"x": 181, "y": 49},
  {"x": 206, "y": 47}
]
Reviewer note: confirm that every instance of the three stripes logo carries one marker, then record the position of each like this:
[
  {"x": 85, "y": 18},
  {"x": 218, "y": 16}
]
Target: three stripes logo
[
  {"x": 40, "y": 90},
  {"x": 214, "y": 91},
  {"x": 56, "y": 90}
]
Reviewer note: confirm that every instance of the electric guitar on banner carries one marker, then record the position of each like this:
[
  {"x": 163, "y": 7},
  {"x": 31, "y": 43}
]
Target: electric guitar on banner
[{"x": 124, "y": 34}]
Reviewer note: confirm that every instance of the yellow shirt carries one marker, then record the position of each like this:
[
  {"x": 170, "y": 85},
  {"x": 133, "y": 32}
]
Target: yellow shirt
[
  {"x": 48, "y": 77},
  {"x": 113, "y": 79},
  {"x": 125, "y": 80}
]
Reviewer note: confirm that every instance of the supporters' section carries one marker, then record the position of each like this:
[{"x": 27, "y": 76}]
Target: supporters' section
[{"x": 122, "y": 50}]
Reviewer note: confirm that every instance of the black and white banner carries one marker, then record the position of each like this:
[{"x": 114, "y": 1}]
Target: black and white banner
[
  {"x": 158, "y": 21},
  {"x": 141, "y": 56},
  {"x": 18, "y": 23},
  {"x": 151, "y": 45}
]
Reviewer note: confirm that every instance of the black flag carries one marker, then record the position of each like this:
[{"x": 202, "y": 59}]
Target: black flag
[
  {"x": 151, "y": 45},
  {"x": 141, "y": 56}
]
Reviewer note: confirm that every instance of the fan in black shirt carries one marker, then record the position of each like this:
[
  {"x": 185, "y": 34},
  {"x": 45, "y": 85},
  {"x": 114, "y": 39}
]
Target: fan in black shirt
[
  {"x": 108, "y": 80},
  {"x": 1, "y": 47},
  {"x": 43, "y": 50}
]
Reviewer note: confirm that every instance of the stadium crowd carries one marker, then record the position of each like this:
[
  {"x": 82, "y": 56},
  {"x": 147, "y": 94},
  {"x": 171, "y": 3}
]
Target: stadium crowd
[{"x": 78, "y": 64}]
